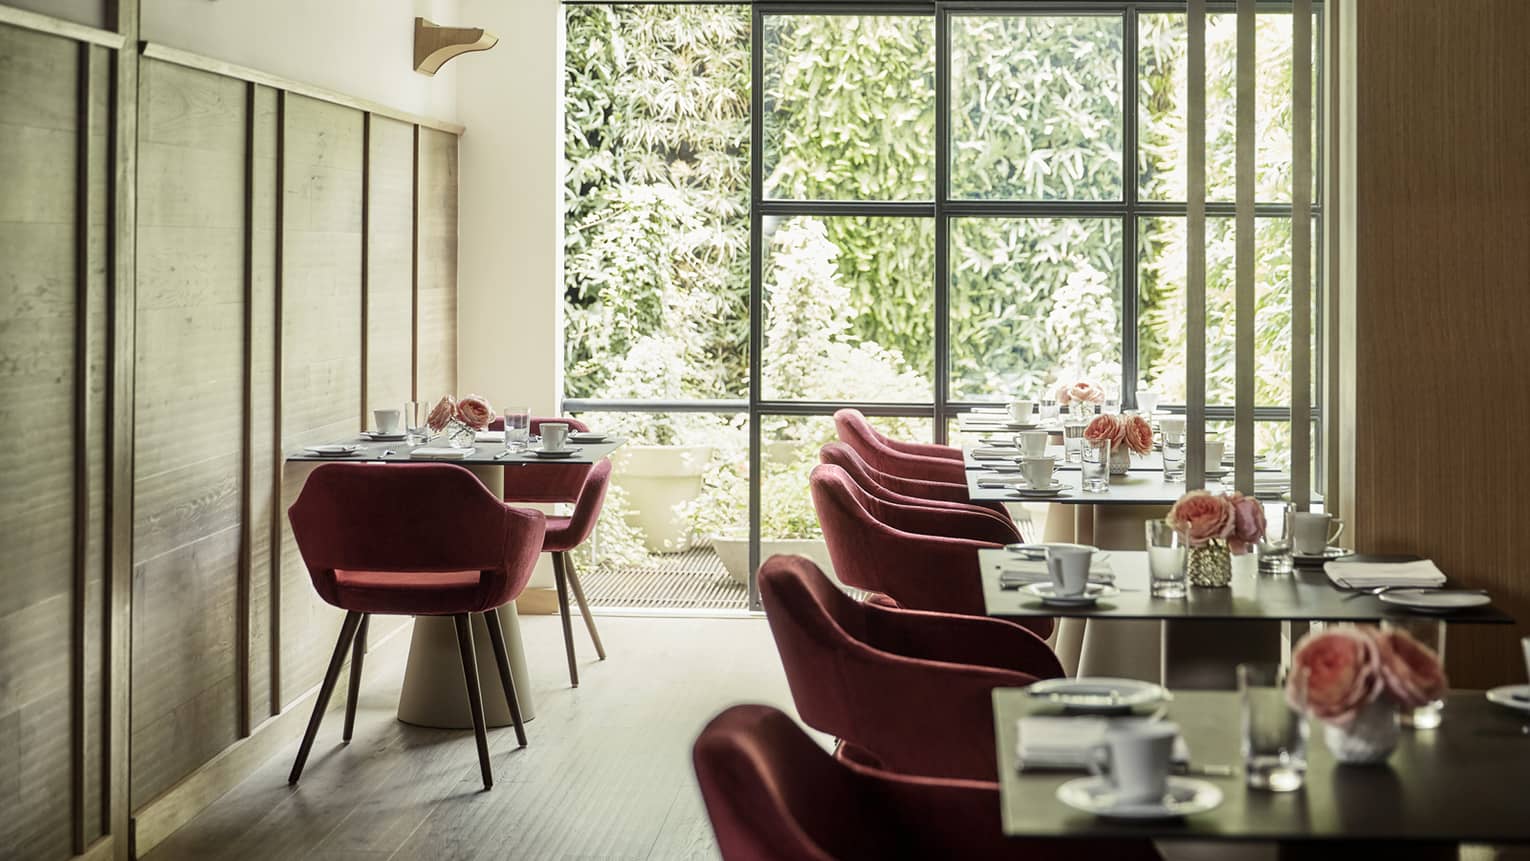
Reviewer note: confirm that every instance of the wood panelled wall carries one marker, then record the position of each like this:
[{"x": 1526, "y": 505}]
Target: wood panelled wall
[
  {"x": 1442, "y": 303},
  {"x": 201, "y": 267}
]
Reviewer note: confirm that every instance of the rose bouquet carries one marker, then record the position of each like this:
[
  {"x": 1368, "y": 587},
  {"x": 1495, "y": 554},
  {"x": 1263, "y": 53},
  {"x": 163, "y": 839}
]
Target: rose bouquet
[
  {"x": 1079, "y": 395},
  {"x": 1215, "y": 526},
  {"x": 459, "y": 420},
  {"x": 1127, "y": 434},
  {"x": 1355, "y": 679}
]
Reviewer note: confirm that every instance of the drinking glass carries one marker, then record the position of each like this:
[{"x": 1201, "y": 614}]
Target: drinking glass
[
  {"x": 1147, "y": 402},
  {"x": 1431, "y": 633},
  {"x": 1047, "y": 409},
  {"x": 517, "y": 427},
  {"x": 1166, "y": 560},
  {"x": 1112, "y": 400},
  {"x": 1274, "y": 734},
  {"x": 1096, "y": 465},
  {"x": 1275, "y": 550},
  {"x": 1174, "y": 457},
  {"x": 416, "y": 415},
  {"x": 1073, "y": 439}
]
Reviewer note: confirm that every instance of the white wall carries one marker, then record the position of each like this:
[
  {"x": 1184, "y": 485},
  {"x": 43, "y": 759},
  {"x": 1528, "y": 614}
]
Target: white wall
[
  {"x": 358, "y": 47},
  {"x": 510, "y": 261},
  {"x": 91, "y": 13}
]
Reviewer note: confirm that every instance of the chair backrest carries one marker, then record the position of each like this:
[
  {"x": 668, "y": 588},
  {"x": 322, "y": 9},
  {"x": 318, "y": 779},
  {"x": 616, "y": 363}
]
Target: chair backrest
[
  {"x": 536, "y": 423},
  {"x": 592, "y": 497},
  {"x": 913, "y": 714},
  {"x": 544, "y": 482},
  {"x": 875, "y": 449},
  {"x": 416, "y": 517},
  {"x": 907, "y": 491}
]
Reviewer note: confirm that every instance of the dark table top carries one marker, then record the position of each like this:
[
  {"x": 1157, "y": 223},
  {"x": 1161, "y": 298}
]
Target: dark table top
[
  {"x": 1466, "y": 781},
  {"x": 1136, "y": 487},
  {"x": 484, "y": 454},
  {"x": 1305, "y": 594},
  {"x": 1150, "y": 462}
]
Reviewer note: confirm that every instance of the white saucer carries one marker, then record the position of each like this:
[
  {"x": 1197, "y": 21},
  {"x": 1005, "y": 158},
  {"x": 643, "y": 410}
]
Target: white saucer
[
  {"x": 1093, "y": 592},
  {"x": 553, "y": 454},
  {"x": 379, "y": 436},
  {"x": 591, "y": 437},
  {"x": 1504, "y": 696},
  {"x": 1100, "y": 694},
  {"x": 1435, "y": 600},
  {"x": 1095, "y": 795},
  {"x": 1327, "y": 554},
  {"x": 332, "y": 450}
]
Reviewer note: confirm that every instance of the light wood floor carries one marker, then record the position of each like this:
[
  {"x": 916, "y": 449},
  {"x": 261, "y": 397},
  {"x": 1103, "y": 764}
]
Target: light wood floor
[{"x": 607, "y": 773}]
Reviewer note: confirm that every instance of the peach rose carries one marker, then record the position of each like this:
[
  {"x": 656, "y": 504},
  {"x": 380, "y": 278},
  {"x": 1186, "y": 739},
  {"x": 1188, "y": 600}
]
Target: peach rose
[
  {"x": 1106, "y": 427},
  {"x": 442, "y": 413},
  {"x": 1411, "y": 670},
  {"x": 1201, "y": 517},
  {"x": 1334, "y": 674},
  {"x": 475, "y": 412},
  {"x": 1248, "y": 522},
  {"x": 1138, "y": 434}
]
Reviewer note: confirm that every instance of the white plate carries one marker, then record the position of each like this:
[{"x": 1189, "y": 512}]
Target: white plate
[
  {"x": 332, "y": 450},
  {"x": 1002, "y": 466},
  {"x": 1031, "y": 493},
  {"x": 1093, "y": 592},
  {"x": 554, "y": 455},
  {"x": 1328, "y": 553},
  {"x": 379, "y": 436},
  {"x": 1099, "y": 693},
  {"x": 1435, "y": 600},
  {"x": 591, "y": 437},
  {"x": 1038, "y": 552},
  {"x": 1504, "y": 696},
  {"x": 1186, "y": 796}
]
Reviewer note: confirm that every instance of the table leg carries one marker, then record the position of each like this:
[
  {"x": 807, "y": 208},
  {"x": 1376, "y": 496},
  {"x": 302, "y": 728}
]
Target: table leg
[
  {"x": 1123, "y": 649},
  {"x": 433, "y": 694}
]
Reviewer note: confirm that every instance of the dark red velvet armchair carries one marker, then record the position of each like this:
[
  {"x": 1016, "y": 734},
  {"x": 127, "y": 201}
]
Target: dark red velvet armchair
[
  {"x": 921, "y": 461},
  {"x": 908, "y": 491}
]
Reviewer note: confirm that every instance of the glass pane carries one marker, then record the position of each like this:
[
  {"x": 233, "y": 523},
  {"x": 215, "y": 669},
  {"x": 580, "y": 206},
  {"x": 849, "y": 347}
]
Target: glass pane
[
  {"x": 656, "y": 271},
  {"x": 849, "y": 107},
  {"x": 1036, "y": 107},
  {"x": 1161, "y": 48},
  {"x": 1162, "y": 324},
  {"x": 1033, "y": 300},
  {"x": 849, "y": 309}
]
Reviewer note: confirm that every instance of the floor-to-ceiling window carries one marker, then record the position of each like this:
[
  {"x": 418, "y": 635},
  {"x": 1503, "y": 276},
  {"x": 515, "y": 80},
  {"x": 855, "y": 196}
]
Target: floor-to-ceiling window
[{"x": 775, "y": 210}]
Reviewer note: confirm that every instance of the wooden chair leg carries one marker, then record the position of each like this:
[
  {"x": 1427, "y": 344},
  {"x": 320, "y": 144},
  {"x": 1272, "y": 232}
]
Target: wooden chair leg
[
  {"x": 358, "y": 651},
  {"x": 347, "y": 633},
  {"x": 584, "y": 605},
  {"x": 502, "y": 658},
  {"x": 475, "y": 694},
  {"x": 559, "y": 561}
]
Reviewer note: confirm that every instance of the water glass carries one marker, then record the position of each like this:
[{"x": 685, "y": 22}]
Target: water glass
[
  {"x": 1274, "y": 734},
  {"x": 1431, "y": 633},
  {"x": 1174, "y": 457},
  {"x": 517, "y": 428},
  {"x": 1275, "y": 550},
  {"x": 416, "y": 421},
  {"x": 1112, "y": 400},
  {"x": 1166, "y": 560},
  {"x": 1096, "y": 465},
  {"x": 1047, "y": 409},
  {"x": 1147, "y": 402},
  {"x": 1073, "y": 440}
]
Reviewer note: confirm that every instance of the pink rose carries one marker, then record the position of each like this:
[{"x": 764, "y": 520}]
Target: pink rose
[
  {"x": 475, "y": 412},
  {"x": 1201, "y": 517},
  {"x": 1138, "y": 434},
  {"x": 1334, "y": 674},
  {"x": 442, "y": 413},
  {"x": 1083, "y": 392},
  {"x": 1248, "y": 522},
  {"x": 1411, "y": 670},
  {"x": 1106, "y": 427}
]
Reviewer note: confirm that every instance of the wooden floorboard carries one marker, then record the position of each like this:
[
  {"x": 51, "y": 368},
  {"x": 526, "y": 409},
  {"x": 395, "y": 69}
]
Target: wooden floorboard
[{"x": 607, "y": 773}]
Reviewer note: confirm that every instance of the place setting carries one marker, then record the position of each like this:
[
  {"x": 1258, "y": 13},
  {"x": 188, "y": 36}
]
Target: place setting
[
  {"x": 1035, "y": 478},
  {"x": 1070, "y": 575},
  {"x": 1406, "y": 582},
  {"x": 1515, "y": 697}
]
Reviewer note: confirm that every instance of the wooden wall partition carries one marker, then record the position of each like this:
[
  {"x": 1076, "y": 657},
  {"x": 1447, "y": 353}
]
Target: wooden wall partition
[{"x": 1442, "y": 303}]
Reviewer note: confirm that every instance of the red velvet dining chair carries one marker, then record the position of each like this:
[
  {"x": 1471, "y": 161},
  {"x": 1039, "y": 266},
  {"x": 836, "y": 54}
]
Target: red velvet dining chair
[
  {"x": 583, "y": 485},
  {"x": 921, "y": 461},
  {"x": 772, "y": 794},
  {"x": 902, "y": 689},
  {"x": 909, "y": 491},
  {"x": 923, "y": 558},
  {"x": 424, "y": 539}
]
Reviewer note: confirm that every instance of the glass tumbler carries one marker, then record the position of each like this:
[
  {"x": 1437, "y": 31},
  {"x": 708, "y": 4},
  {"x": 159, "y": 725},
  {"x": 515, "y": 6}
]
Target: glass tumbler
[
  {"x": 1173, "y": 457},
  {"x": 1431, "y": 633},
  {"x": 1073, "y": 440},
  {"x": 1166, "y": 560},
  {"x": 416, "y": 415},
  {"x": 1275, "y": 550},
  {"x": 517, "y": 428},
  {"x": 1274, "y": 734},
  {"x": 1096, "y": 465}
]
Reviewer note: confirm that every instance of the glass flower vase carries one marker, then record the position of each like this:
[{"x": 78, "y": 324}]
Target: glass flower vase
[
  {"x": 1369, "y": 739},
  {"x": 1209, "y": 565},
  {"x": 459, "y": 435},
  {"x": 1120, "y": 460}
]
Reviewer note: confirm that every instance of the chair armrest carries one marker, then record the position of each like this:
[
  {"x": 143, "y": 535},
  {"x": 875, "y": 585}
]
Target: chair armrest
[{"x": 960, "y": 639}]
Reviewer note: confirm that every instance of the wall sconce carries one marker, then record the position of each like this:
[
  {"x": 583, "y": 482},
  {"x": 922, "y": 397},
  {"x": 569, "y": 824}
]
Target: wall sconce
[{"x": 434, "y": 44}]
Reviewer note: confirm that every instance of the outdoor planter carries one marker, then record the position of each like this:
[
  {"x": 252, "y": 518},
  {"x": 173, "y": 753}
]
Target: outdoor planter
[
  {"x": 733, "y": 550},
  {"x": 659, "y": 480}
]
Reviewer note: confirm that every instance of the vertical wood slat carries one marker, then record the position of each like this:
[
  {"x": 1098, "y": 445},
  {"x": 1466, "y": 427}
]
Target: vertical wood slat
[
  {"x": 1243, "y": 404},
  {"x": 414, "y": 274},
  {"x": 1301, "y": 254},
  {"x": 276, "y": 401},
  {"x": 244, "y": 613},
  {"x": 81, "y": 448},
  {"x": 366, "y": 260},
  {"x": 1195, "y": 248}
]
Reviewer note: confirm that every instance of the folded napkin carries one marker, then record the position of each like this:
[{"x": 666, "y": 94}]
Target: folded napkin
[
  {"x": 1022, "y": 571},
  {"x": 426, "y": 452},
  {"x": 1053, "y": 742},
  {"x": 1364, "y": 575},
  {"x": 489, "y": 436},
  {"x": 993, "y": 453}
]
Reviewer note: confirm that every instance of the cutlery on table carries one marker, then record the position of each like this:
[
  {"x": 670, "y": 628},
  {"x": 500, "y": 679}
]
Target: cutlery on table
[{"x": 1377, "y": 590}]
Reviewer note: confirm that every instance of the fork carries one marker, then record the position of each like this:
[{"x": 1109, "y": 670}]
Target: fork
[{"x": 1377, "y": 590}]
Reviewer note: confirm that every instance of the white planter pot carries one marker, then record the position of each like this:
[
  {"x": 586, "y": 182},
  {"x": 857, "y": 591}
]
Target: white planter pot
[
  {"x": 734, "y": 553},
  {"x": 658, "y": 479}
]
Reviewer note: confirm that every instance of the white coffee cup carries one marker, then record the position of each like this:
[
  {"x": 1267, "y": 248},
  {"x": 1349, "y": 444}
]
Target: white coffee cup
[
  {"x": 1037, "y": 471},
  {"x": 1147, "y": 402},
  {"x": 1069, "y": 568},
  {"x": 1033, "y": 443},
  {"x": 1020, "y": 412},
  {"x": 387, "y": 421},
  {"x": 1172, "y": 424},
  {"x": 1312, "y": 532},
  {"x": 1136, "y": 759},
  {"x": 554, "y": 436},
  {"x": 1214, "y": 450}
]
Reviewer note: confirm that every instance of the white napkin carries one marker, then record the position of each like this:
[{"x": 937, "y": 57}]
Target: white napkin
[
  {"x": 1024, "y": 571},
  {"x": 1364, "y": 575},
  {"x": 426, "y": 452},
  {"x": 1067, "y": 743},
  {"x": 489, "y": 436},
  {"x": 994, "y": 453}
]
